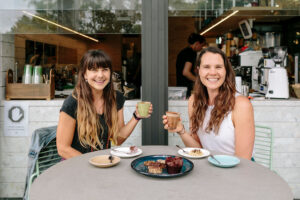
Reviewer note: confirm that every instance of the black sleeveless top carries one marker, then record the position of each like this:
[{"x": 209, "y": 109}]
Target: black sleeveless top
[{"x": 70, "y": 107}]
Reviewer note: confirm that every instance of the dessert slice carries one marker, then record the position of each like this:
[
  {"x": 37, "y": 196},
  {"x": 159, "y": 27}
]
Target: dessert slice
[
  {"x": 149, "y": 162},
  {"x": 155, "y": 169},
  {"x": 133, "y": 149}
]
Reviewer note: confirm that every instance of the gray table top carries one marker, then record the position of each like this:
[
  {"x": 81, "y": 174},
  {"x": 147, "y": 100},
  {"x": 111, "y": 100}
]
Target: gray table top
[{"x": 76, "y": 179}]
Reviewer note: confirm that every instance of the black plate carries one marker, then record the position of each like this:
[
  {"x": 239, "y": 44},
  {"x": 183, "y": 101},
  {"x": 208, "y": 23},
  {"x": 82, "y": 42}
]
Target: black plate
[{"x": 139, "y": 167}]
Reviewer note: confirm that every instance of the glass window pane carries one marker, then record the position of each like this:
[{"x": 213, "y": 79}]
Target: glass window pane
[{"x": 61, "y": 31}]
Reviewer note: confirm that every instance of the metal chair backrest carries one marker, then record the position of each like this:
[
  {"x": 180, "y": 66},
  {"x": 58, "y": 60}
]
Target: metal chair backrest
[
  {"x": 263, "y": 146},
  {"x": 48, "y": 157},
  {"x": 42, "y": 155}
]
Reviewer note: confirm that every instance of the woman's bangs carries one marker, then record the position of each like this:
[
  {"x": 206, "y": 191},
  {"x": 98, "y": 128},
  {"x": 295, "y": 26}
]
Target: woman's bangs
[{"x": 98, "y": 62}]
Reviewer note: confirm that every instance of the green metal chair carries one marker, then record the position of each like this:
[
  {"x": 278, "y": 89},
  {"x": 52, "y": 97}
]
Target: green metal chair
[
  {"x": 263, "y": 146},
  {"x": 48, "y": 157}
]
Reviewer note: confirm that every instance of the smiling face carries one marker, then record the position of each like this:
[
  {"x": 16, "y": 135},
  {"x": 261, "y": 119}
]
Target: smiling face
[
  {"x": 97, "y": 78},
  {"x": 212, "y": 71}
]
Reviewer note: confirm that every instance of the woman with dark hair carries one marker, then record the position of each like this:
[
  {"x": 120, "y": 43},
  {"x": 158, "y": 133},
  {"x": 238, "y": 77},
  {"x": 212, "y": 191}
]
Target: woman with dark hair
[
  {"x": 221, "y": 120},
  {"x": 92, "y": 117}
]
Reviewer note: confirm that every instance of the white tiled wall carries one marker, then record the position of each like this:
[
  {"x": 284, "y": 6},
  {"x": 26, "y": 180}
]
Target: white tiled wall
[
  {"x": 283, "y": 117},
  {"x": 14, "y": 150},
  {"x": 135, "y": 137}
]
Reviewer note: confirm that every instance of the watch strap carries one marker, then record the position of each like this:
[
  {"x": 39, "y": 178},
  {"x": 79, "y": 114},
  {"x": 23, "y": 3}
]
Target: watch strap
[{"x": 136, "y": 117}]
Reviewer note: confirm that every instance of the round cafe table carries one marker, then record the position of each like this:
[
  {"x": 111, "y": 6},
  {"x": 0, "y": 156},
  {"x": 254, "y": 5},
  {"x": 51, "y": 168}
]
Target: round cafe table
[{"x": 77, "y": 179}]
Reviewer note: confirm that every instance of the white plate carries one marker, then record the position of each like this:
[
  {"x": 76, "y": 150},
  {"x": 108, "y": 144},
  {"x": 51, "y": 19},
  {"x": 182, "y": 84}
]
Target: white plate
[
  {"x": 103, "y": 161},
  {"x": 188, "y": 149},
  {"x": 124, "y": 152}
]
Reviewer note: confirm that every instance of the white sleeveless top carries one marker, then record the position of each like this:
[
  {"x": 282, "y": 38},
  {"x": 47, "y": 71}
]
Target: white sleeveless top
[{"x": 224, "y": 141}]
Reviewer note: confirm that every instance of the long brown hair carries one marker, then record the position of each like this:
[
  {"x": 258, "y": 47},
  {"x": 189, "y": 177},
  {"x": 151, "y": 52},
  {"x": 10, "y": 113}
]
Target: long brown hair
[
  {"x": 88, "y": 124},
  {"x": 224, "y": 101}
]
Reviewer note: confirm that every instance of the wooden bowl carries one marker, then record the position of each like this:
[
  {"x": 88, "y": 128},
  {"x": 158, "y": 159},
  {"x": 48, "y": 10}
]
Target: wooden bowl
[{"x": 103, "y": 161}]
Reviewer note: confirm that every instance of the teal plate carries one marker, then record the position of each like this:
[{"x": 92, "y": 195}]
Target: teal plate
[
  {"x": 138, "y": 166},
  {"x": 225, "y": 160}
]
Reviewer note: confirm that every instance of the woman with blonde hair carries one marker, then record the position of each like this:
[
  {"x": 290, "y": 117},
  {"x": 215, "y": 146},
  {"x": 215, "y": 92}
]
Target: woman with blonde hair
[
  {"x": 221, "y": 120},
  {"x": 92, "y": 117}
]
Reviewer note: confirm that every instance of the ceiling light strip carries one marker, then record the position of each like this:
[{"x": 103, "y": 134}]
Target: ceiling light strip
[
  {"x": 219, "y": 22},
  {"x": 63, "y": 27}
]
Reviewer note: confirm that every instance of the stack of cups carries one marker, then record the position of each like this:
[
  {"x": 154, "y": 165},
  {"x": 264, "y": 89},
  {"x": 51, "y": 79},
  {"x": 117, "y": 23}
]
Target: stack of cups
[
  {"x": 37, "y": 77},
  {"x": 27, "y": 76}
]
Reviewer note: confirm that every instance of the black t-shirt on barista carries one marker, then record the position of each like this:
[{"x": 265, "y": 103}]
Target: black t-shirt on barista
[
  {"x": 70, "y": 107},
  {"x": 185, "y": 55}
]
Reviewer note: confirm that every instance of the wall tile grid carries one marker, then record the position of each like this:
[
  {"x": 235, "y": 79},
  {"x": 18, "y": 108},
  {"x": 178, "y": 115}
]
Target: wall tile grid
[
  {"x": 11, "y": 190},
  {"x": 14, "y": 150},
  {"x": 284, "y": 121},
  {"x": 135, "y": 137}
]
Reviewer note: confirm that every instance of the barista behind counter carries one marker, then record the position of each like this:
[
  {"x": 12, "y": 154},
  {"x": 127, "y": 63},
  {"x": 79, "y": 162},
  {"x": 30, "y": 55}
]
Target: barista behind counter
[{"x": 185, "y": 63}]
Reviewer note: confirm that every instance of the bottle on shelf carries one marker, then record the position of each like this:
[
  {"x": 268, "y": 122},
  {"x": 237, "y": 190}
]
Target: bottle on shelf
[
  {"x": 232, "y": 48},
  {"x": 228, "y": 44}
]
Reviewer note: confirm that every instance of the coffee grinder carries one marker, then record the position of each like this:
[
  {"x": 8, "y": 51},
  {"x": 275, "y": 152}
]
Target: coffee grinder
[{"x": 278, "y": 84}]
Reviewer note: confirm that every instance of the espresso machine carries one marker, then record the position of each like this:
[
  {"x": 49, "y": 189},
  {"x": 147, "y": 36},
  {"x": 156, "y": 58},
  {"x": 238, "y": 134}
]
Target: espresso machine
[
  {"x": 248, "y": 61},
  {"x": 272, "y": 75}
]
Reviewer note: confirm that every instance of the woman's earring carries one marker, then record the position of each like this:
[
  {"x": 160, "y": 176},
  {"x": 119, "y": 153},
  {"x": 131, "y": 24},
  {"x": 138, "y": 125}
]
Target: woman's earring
[{"x": 86, "y": 80}]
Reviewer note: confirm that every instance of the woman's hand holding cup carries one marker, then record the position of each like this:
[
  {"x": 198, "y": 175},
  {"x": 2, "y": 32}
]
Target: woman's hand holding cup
[
  {"x": 144, "y": 109},
  {"x": 172, "y": 122}
]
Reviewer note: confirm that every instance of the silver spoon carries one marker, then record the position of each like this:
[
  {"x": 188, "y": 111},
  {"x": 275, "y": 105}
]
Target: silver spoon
[
  {"x": 182, "y": 149},
  {"x": 215, "y": 159},
  {"x": 110, "y": 158}
]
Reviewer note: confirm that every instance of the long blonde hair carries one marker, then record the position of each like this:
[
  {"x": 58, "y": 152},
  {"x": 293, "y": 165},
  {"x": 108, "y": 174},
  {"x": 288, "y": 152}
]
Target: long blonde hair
[
  {"x": 224, "y": 101},
  {"x": 88, "y": 124}
]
